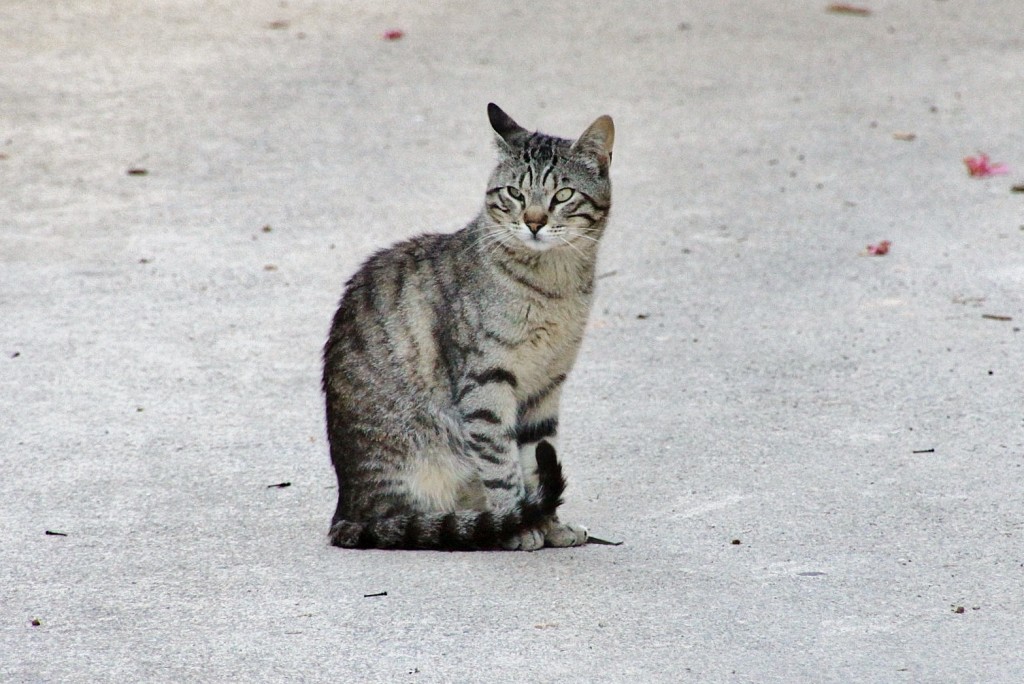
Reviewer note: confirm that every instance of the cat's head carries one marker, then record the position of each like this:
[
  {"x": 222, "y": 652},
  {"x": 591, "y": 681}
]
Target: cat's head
[{"x": 549, "y": 192}]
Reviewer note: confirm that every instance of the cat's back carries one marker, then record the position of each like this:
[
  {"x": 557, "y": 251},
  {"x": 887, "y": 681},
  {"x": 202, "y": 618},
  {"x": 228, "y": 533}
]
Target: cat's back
[{"x": 397, "y": 311}]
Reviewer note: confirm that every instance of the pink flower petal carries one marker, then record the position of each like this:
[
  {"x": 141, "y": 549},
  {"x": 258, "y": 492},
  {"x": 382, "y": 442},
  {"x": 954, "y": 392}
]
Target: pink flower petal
[
  {"x": 982, "y": 167},
  {"x": 393, "y": 34},
  {"x": 881, "y": 249}
]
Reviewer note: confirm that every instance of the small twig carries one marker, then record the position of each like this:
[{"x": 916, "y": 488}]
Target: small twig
[
  {"x": 923, "y": 451},
  {"x": 607, "y": 274},
  {"x": 997, "y": 317},
  {"x": 382, "y": 593},
  {"x": 603, "y": 542},
  {"x": 51, "y": 533},
  {"x": 279, "y": 485}
]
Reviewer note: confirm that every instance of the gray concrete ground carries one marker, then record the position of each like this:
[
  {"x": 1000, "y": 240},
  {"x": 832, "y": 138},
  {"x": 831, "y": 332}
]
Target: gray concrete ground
[{"x": 855, "y": 422}]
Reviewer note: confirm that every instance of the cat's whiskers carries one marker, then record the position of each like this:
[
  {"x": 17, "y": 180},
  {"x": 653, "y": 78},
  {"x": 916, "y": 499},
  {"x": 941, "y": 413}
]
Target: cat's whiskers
[
  {"x": 500, "y": 236},
  {"x": 592, "y": 241},
  {"x": 570, "y": 244},
  {"x": 489, "y": 240},
  {"x": 582, "y": 234}
]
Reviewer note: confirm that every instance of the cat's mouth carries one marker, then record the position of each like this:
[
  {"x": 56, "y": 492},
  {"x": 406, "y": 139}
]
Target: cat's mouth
[
  {"x": 537, "y": 243},
  {"x": 541, "y": 241}
]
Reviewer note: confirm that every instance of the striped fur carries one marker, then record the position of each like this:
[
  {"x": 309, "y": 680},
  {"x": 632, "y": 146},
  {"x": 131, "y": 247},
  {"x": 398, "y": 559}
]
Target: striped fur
[{"x": 446, "y": 359}]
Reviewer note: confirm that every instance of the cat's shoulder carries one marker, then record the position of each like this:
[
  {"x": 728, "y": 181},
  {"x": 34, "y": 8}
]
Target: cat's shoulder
[{"x": 407, "y": 253}]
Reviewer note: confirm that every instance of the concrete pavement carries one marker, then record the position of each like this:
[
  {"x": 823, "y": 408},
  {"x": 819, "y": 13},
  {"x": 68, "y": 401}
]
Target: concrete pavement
[{"x": 814, "y": 457}]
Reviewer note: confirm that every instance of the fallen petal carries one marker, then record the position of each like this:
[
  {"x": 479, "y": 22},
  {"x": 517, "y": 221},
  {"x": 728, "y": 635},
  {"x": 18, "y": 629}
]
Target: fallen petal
[
  {"x": 982, "y": 167},
  {"x": 881, "y": 249}
]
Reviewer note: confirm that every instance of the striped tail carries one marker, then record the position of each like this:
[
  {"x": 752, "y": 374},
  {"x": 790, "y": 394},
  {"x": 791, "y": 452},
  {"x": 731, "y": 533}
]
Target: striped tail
[{"x": 461, "y": 530}]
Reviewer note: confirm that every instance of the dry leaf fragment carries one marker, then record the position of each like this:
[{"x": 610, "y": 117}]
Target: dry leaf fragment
[
  {"x": 845, "y": 8},
  {"x": 904, "y": 136}
]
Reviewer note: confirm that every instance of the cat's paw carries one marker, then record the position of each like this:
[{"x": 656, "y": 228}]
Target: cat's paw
[
  {"x": 530, "y": 540},
  {"x": 565, "y": 534}
]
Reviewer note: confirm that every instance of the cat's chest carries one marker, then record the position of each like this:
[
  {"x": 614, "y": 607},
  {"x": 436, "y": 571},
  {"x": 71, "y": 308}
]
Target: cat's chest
[
  {"x": 543, "y": 341},
  {"x": 550, "y": 328}
]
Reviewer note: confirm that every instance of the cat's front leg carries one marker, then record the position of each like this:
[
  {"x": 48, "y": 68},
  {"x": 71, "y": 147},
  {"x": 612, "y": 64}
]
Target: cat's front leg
[{"x": 489, "y": 408}]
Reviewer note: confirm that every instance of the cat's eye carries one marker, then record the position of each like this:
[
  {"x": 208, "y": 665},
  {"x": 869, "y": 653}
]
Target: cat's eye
[
  {"x": 514, "y": 193},
  {"x": 564, "y": 194}
]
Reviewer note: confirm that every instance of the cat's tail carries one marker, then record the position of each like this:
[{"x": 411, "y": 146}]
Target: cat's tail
[{"x": 461, "y": 530}]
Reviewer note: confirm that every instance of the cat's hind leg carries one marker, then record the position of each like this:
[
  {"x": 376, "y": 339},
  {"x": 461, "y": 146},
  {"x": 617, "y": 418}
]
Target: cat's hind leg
[
  {"x": 559, "y": 534},
  {"x": 531, "y": 540}
]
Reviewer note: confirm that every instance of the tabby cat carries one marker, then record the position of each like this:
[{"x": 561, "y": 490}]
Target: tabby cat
[{"x": 446, "y": 359}]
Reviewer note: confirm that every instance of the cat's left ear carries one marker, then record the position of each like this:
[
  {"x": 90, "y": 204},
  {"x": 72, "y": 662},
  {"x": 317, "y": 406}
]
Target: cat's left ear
[
  {"x": 596, "y": 142},
  {"x": 510, "y": 134}
]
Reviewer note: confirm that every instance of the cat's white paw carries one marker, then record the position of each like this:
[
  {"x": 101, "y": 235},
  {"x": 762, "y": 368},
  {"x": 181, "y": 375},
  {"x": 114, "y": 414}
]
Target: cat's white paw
[
  {"x": 526, "y": 541},
  {"x": 565, "y": 534}
]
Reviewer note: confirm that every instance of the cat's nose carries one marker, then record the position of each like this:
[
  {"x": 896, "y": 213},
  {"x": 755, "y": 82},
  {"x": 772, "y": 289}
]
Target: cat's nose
[{"x": 535, "y": 220}]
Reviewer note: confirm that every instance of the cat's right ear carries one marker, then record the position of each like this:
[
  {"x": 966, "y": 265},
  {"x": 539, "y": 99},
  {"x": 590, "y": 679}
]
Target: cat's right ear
[{"x": 510, "y": 134}]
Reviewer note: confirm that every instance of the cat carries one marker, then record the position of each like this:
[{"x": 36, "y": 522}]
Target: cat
[{"x": 446, "y": 358}]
